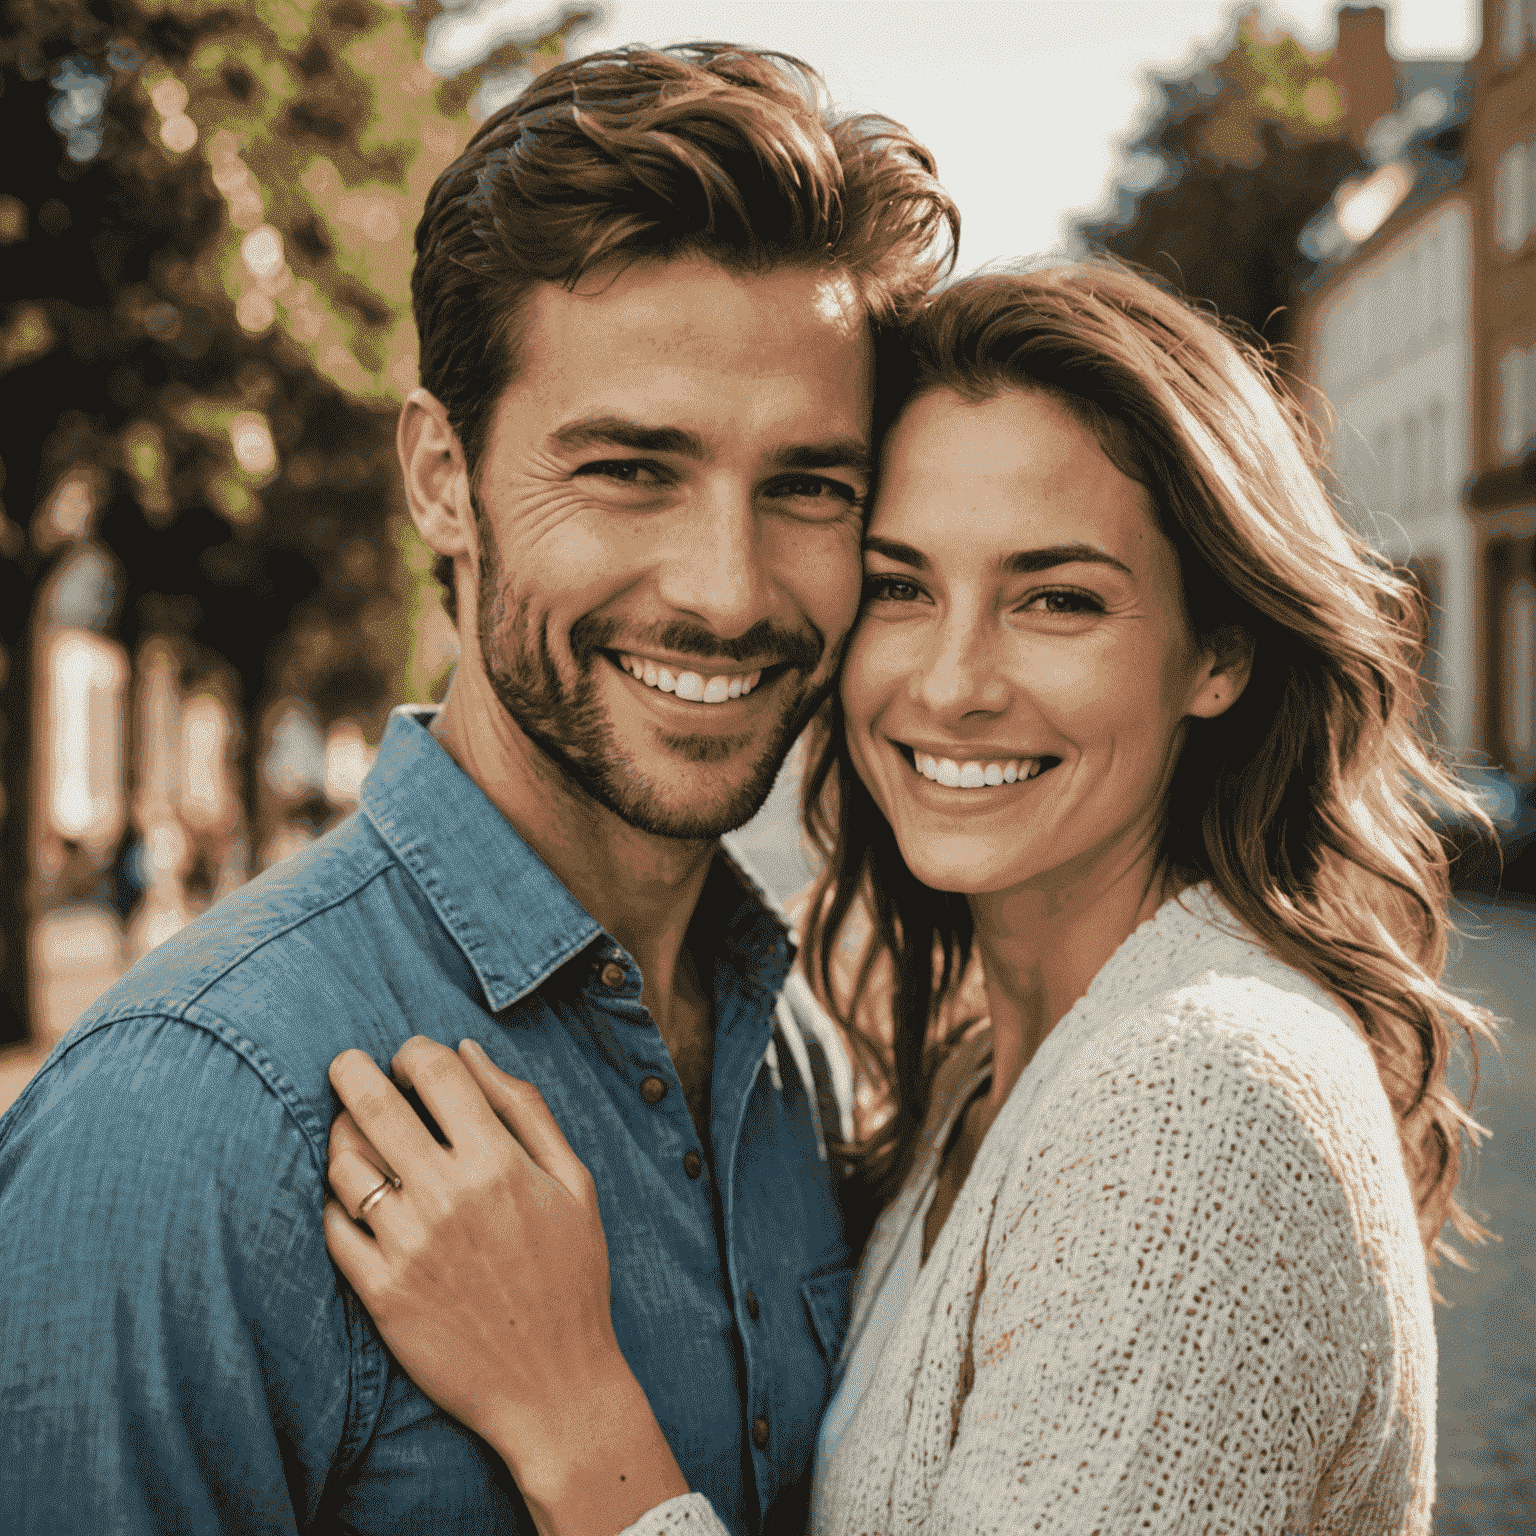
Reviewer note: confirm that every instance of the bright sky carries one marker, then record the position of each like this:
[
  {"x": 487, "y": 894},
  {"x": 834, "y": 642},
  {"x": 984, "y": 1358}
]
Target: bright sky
[{"x": 1023, "y": 102}]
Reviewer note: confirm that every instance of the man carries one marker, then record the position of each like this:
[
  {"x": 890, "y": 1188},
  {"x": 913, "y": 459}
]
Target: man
[{"x": 645, "y": 296}]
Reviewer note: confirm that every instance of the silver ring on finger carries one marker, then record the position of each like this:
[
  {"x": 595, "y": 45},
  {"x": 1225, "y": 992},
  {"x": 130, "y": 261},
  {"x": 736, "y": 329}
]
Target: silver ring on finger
[{"x": 376, "y": 1194}]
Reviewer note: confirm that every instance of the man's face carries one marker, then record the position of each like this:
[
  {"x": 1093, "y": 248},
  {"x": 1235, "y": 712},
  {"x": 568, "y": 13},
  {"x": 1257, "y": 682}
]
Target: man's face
[{"x": 669, "y": 513}]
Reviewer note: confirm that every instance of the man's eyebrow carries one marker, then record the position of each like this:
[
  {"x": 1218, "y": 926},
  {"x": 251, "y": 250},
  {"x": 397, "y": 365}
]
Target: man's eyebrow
[
  {"x": 621, "y": 432},
  {"x": 850, "y": 453},
  {"x": 1023, "y": 562}
]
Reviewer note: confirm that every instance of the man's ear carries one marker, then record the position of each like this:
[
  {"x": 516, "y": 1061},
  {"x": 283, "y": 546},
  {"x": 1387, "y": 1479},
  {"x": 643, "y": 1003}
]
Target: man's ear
[
  {"x": 436, "y": 476},
  {"x": 1226, "y": 665}
]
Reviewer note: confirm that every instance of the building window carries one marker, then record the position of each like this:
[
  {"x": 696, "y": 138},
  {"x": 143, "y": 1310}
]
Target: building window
[
  {"x": 1512, "y": 30},
  {"x": 1520, "y": 673},
  {"x": 1435, "y": 448},
  {"x": 85, "y": 676},
  {"x": 1408, "y": 491},
  {"x": 1434, "y": 283},
  {"x": 1382, "y": 445},
  {"x": 1418, "y": 298},
  {"x": 1512, "y": 406},
  {"x": 1352, "y": 360},
  {"x": 1511, "y": 197}
]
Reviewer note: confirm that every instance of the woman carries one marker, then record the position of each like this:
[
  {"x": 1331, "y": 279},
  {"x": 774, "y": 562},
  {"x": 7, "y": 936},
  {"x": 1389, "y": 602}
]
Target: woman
[{"x": 1128, "y": 716}]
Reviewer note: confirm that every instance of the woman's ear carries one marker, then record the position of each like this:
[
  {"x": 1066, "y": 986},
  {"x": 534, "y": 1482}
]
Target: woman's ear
[{"x": 1226, "y": 662}]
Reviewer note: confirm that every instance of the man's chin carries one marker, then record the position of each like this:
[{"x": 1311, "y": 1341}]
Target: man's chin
[{"x": 668, "y": 805}]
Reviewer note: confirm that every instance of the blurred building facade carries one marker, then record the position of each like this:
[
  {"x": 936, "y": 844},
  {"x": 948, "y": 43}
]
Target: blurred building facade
[
  {"x": 1419, "y": 327},
  {"x": 1502, "y": 494}
]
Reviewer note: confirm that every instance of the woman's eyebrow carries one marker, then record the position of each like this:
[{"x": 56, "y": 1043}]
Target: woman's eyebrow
[
  {"x": 1024, "y": 562},
  {"x": 894, "y": 549}
]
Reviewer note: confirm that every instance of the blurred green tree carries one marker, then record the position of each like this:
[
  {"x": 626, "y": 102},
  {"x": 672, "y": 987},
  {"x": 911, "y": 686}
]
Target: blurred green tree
[
  {"x": 1234, "y": 160},
  {"x": 205, "y": 217}
]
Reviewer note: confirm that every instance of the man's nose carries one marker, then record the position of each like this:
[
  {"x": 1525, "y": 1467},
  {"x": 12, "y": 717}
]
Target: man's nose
[
  {"x": 716, "y": 569},
  {"x": 961, "y": 671}
]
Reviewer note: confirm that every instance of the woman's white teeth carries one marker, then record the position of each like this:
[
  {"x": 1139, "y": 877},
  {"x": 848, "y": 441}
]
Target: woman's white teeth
[
  {"x": 690, "y": 685},
  {"x": 946, "y": 771}
]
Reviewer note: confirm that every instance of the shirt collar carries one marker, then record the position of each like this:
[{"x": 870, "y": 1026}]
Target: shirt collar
[{"x": 508, "y": 912}]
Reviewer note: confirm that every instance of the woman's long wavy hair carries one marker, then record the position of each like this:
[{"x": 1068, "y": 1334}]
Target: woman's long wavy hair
[{"x": 1306, "y": 804}]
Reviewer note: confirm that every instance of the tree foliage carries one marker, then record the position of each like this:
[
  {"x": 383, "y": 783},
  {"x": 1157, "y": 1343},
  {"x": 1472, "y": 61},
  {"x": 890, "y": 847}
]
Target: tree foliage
[
  {"x": 205, "y": 217},
  {"x": 1235, "y": 159}
]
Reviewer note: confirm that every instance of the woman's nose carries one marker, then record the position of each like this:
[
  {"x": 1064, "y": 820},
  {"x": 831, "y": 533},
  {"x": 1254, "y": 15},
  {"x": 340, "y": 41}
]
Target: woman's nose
[{"x": 962, "y": 671}]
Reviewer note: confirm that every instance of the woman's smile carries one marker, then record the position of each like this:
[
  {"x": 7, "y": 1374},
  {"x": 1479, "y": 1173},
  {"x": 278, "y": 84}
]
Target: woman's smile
[{"x": 972, "y": 767}]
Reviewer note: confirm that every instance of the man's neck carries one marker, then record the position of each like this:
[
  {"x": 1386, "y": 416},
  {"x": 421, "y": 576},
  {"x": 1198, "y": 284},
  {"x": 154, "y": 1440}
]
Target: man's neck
[{"x": 642, "y": 888}]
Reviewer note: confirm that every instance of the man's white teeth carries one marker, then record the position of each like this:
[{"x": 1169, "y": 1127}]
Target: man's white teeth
[
  {"x": 690, "y": 685},
  {"x": 946, "y": 771}
]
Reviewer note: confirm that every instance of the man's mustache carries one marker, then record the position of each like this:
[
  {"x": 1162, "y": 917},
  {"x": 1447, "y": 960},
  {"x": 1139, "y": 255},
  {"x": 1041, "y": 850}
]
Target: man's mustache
[{"x": 801, "y": 650}]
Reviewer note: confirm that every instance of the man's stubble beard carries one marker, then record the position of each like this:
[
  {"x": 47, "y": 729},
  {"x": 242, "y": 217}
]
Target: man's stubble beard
[{"x": 570, "y": 728}]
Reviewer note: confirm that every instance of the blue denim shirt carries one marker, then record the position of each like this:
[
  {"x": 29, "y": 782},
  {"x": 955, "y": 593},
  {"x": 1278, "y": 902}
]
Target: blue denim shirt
[{"x": 177, "y": 1352}]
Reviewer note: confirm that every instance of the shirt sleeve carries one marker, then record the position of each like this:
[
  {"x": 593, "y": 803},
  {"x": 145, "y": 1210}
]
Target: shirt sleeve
[
  {"x": 175, "y": 1342},
  {"x": 1167, "y": 1334}
]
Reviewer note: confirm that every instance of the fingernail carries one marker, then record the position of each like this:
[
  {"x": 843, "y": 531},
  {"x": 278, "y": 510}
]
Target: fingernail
[{"x": 474, "y": 1048}]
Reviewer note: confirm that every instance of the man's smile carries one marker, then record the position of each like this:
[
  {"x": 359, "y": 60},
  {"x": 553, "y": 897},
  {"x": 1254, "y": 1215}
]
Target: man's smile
[{"x": 694, "y": 683}]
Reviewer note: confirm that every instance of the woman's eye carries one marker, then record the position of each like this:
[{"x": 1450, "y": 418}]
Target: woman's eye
[
  {"x": 1065, "y": 602},
  {"x": 890, "y": 589}
]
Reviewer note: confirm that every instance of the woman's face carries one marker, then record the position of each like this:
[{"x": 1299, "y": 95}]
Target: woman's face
[{"x": 1016, "y": 686}]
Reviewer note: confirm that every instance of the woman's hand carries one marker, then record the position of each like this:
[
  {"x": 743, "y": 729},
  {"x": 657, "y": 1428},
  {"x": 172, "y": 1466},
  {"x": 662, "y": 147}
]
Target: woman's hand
[{"x": 486, "y": 1271}]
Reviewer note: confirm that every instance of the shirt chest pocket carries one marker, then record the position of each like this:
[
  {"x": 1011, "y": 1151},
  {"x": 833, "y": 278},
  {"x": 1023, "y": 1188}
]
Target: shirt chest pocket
[{"x": 828, "y": 1298}]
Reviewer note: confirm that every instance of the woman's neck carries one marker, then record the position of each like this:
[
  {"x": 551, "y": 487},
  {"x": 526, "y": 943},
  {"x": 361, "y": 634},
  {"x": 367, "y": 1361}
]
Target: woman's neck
[{"x": 1041, "y": 948}]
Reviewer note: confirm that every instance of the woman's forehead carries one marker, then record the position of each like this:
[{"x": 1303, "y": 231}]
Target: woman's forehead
[{"x": 1016, "y": 464}]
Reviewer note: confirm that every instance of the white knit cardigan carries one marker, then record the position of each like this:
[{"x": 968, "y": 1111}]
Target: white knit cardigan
[{"x": 1182, "y": 1289}]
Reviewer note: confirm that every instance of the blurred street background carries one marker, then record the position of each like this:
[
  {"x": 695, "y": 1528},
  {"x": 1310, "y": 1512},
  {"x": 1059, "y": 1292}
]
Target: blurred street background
[{"x": 210, "y": 594}]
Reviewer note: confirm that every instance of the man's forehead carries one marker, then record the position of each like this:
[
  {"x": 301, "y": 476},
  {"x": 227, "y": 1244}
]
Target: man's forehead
[
  {"x": 790, "y": 353},
  {"x": 669, "y": 299}
]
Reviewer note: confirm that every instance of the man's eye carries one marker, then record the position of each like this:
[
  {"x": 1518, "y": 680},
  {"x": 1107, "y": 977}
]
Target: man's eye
[
  {"x": 624, "y": 471},
  {"x": 890, "y": 589},
  {"x": 815, "y": 488}
]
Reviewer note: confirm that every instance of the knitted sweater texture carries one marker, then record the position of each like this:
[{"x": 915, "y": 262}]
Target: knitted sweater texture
[{"x": 1182, "y": 1289}]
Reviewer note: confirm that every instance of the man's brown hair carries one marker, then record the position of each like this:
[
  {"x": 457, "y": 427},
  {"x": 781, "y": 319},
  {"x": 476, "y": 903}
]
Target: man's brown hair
[{"x": 705, "y": 149}]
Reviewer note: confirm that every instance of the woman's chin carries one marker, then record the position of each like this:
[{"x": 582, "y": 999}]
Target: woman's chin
[{"x": 962, "y": 866}]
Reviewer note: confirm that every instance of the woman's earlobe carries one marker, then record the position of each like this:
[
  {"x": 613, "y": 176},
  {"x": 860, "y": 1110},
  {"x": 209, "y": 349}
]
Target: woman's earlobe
[{"x": 1229, "y": 662}]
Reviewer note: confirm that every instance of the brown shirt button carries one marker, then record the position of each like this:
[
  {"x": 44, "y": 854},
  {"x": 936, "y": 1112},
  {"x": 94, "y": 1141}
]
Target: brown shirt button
[
  {"x": 760, "y": 1432},
  {"x": 612, "y": 974},
  {"x": 752, "y": 1307},
  {"x": 652, "y": 1090},
  {"x": 693, "y": 1164}
]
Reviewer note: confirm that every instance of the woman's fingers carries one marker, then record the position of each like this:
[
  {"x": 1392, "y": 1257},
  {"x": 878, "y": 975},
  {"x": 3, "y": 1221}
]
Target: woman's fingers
[
  {"x": 361, "y": 1188},
  {"x": 521, "y": 1108},
  {"x": 451, "y": 1096},
  {"x": 345, "y": 1136},
  {"x": 381, "y": 1112},
  {"x": 353, "y": 1252}
]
